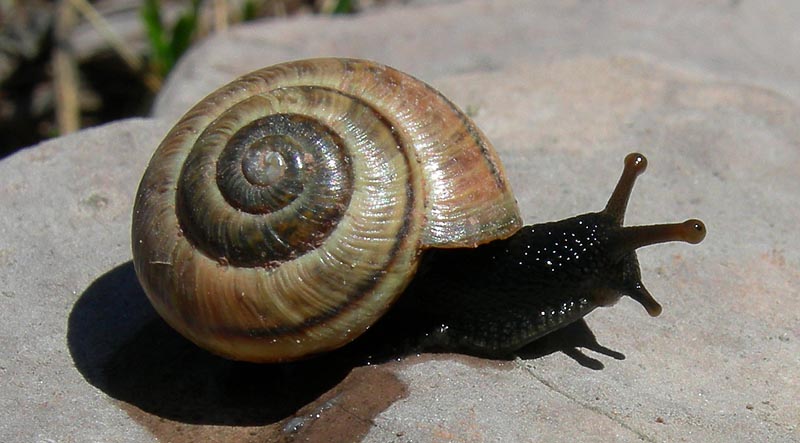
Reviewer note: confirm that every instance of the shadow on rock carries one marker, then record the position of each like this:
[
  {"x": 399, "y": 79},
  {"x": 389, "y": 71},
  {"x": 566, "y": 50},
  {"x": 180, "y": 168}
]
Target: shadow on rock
[
  {"x": 567, "y": 340},
  {"x": 121, "y": 346}
]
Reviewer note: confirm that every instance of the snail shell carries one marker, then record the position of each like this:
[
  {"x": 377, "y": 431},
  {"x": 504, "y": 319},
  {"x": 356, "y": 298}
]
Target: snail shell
[{"x": 285, "y": 212}]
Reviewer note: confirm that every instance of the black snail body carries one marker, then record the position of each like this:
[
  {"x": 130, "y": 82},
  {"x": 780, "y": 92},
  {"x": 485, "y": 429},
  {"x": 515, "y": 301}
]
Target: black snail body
[
  {"x": 497, "y": 298},
  {"x": 289, "y": 210}
]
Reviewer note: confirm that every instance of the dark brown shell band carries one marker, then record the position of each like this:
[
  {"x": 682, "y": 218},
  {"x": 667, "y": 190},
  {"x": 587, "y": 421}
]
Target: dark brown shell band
[{"x": 291, "y": 175}]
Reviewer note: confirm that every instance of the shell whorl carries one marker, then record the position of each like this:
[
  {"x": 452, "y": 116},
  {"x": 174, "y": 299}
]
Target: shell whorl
[{"x": 286, "y": 211}]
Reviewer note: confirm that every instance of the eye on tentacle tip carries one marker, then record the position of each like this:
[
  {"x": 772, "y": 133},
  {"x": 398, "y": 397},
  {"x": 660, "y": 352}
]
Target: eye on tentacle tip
[
  {"x": 635, "y": 165},
  {"x": 693, "y": 231},
  {"x": 634, "y": 237}
]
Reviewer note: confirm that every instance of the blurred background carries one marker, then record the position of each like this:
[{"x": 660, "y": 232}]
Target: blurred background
[{"x": 70, "y": 64}]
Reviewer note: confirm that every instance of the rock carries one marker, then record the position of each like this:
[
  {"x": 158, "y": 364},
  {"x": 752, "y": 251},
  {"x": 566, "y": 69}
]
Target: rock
[
  {"x": 722, "y": 39},
  {"x": 86, "y": 359}
]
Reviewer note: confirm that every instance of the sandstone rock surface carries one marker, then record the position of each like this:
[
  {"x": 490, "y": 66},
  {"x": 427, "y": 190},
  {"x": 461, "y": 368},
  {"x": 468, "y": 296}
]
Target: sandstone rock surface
[{"x": 564, "y": 90}]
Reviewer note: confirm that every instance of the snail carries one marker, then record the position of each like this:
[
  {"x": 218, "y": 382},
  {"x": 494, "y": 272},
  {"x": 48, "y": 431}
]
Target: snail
[{"x": 287, "y": 211}]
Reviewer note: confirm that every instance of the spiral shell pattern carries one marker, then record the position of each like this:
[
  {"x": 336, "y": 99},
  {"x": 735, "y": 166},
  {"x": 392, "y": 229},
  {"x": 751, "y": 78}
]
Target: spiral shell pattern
[{"x": 285, "y": 212}]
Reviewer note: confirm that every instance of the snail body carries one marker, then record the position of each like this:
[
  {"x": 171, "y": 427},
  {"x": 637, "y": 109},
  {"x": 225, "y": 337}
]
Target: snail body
[
  {"x": 287, "y": 211},
  {"x": 495, "y": 299}
]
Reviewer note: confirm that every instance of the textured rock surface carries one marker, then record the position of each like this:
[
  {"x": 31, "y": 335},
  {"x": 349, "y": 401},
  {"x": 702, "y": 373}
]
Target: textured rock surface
[
  {"x": 702, "y": 90},
  {"x": 754, "y": 42}
]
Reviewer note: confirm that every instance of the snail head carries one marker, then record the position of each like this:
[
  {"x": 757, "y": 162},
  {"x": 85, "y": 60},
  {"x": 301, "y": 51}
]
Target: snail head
[{"x": 621, "y": 273}]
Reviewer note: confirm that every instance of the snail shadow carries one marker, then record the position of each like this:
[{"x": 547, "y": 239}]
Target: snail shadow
[
  {"x": 121, "y": 346},
  {"x": 570, "y": 340}
]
